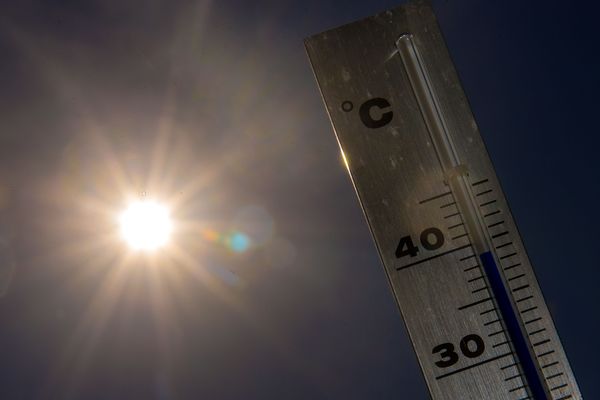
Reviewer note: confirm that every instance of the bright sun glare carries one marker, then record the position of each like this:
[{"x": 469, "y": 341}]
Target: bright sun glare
[{"x": 146, "y": 225}]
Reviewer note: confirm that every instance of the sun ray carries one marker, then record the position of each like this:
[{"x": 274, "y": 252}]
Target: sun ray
[{"x": 82, "y": 343}]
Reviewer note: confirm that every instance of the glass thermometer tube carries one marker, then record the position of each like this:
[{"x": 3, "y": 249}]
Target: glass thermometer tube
[{"x": 456, "y": 175}]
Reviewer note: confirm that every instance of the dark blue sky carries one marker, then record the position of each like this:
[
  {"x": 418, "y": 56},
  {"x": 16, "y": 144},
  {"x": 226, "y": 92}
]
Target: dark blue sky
[{"x": 214, "y": 105}]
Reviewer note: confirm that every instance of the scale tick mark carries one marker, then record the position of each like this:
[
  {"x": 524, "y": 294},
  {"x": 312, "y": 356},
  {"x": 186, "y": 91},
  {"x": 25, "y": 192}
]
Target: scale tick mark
[
  {"x": 484, "y": 192},
  {"x": 439, "y": 196}
]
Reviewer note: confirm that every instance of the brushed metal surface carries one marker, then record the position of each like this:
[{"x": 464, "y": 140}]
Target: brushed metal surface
[{"x": 442, "y": 293}]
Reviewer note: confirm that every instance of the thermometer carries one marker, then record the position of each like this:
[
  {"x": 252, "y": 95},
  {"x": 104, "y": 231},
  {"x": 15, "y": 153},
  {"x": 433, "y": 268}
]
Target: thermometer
[{"x": 449, "y": 245}]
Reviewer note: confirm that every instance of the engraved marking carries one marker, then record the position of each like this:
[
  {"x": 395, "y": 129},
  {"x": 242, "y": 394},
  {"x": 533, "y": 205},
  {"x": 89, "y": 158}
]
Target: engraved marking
[
  {"x": 433, "y": 257},
  {"x": 474, "y": 365},
  {"x": 559, "y": 387},
  {"x": 492, "y": 213},
  {"x": 533, "y": 320},
  {"x": 508, "y": 255},
  {"x": 512, "y": 266},
  {"x": 439, "y": 196},
  {"x": 475, "y": 303},
  {"x": 536, "y": 332},
  {"x": 487, "y": 203},
  {"x": 479, "y": 182},
  {"x": 452, "y": 215}
]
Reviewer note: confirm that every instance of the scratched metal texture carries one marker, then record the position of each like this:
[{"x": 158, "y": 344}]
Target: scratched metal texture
[{"x": 442, "y": 294}]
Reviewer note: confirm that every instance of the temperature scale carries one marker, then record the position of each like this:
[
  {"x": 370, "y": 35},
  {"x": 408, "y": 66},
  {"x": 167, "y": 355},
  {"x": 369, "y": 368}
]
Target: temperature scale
[{"x": 456, "y": 264}]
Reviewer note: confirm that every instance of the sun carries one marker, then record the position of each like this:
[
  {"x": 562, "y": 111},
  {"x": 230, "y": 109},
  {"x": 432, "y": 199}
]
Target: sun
[{"x": 146, "y": 225}]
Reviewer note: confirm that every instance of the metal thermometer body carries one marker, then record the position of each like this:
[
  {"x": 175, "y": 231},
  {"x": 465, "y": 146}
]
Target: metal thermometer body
[{"x": 443, "y": 229}]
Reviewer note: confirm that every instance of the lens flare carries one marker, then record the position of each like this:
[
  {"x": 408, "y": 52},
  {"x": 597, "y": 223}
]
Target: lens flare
[
  {"x": 146, "y": 225},
  {"x": 239, "y": 242},
  {"x": 235, "y": 241}
]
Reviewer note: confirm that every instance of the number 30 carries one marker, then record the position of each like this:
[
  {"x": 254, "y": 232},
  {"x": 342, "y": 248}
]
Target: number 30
[{"x": 449, "y": 357}]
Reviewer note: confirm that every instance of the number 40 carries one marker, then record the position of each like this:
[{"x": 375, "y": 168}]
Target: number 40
[{"x": 431, "y": 239}]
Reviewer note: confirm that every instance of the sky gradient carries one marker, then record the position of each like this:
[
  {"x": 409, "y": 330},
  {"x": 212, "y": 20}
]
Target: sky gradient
[{"x": 213, "y": 106}]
